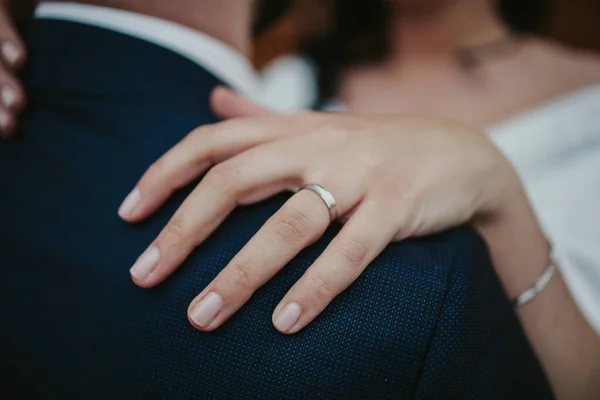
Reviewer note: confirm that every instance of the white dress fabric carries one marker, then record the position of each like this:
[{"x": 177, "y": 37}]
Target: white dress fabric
[{"x": 555, "y": 149}]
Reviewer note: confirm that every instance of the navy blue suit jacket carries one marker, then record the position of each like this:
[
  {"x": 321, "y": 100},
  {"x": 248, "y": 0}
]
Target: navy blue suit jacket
[{"x": 426, "y": 320}]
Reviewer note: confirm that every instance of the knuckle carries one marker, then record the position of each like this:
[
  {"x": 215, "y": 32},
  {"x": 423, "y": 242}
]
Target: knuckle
[
  {"x": 395, "y": 191},
  {"x": 244, "y": 276},
  {"x": 211, "y": 132},
  {"x": 176, "y": 231},
  {"x": 352, "y": 252},
  {"x": 157, "y": 170},
  {"x": 322, "y": 289},
  {"x": 292, "y": 226},
  {"x": 197, "y": 132},
  {"x": 332, "y": 132},
  {"x": 203, "y": 131},
  {"x": 222, "y": 177},
  {"x": 367, "y": 155}
]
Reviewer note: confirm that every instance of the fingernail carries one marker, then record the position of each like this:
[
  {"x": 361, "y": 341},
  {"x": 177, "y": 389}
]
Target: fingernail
[
  {"x": 10, "y": 52},
  {"x": 145, "y": 264},
  {"x": 205, "y": 312},
  {"x": 288, "y": 317},
  {"x": 9, "y": 97},
  {"x": 130, "y": 203}
]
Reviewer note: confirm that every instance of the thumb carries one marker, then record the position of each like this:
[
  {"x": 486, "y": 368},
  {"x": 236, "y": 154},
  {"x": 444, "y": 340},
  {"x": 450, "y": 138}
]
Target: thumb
[{"x": 227, "y": 104}]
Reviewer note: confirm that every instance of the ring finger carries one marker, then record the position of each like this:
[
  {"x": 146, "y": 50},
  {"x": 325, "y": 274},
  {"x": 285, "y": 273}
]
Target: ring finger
[
  {"x": 365, "y": 235},
  {"x": 298, "y": 224}
]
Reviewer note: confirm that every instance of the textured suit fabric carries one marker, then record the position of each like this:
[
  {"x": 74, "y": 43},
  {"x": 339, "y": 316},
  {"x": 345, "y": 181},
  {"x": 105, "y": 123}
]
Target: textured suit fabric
[{"x": 426, "y": 320}]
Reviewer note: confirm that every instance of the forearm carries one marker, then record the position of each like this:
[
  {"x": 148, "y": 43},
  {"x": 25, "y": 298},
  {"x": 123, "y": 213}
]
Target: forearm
[{"x": 564, "y": 342}]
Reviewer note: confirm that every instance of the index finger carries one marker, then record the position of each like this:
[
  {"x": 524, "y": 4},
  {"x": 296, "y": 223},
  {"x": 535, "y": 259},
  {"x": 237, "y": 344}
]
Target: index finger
[{"x": 197, "y": 152}]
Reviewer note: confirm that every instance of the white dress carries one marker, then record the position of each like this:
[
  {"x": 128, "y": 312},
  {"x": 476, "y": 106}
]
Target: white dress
[{"x": 555, "y": 148}]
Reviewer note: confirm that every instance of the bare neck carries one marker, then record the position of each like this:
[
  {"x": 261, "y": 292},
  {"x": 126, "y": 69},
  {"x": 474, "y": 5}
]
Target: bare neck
[
  {"x": 226, "y": 20},
  {"x": 437, "y": 30}
]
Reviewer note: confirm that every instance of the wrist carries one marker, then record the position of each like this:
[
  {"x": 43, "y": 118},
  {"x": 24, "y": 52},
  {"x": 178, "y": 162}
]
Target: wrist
[{"x": 518, "y": 247}]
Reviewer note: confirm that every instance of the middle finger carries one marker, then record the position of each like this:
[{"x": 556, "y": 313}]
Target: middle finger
[{"x": 298, "y": 224}]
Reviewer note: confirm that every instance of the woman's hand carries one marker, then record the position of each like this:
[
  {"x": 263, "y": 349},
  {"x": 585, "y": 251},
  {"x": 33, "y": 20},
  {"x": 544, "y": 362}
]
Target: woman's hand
[
  {"x": 392, "y": 178},
  {"x": 12, "y": 57}
]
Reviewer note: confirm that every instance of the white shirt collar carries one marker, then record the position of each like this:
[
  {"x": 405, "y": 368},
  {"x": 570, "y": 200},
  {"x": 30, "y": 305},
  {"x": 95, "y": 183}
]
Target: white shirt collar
[{"x": 227, "y": 64}]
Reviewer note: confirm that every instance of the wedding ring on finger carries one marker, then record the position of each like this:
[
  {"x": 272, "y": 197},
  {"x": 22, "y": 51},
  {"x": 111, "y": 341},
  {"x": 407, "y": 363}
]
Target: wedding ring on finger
[{"x": 327, "y": 198}]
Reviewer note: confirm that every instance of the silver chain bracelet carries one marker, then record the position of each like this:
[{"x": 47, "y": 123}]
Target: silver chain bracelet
[{"x": 538, "y": 286}]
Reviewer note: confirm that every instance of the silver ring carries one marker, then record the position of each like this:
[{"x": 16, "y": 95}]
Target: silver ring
[{"x": 327, "y": 198}]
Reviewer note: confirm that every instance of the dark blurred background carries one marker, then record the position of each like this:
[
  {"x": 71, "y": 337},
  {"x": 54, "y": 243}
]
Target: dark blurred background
[{"x": 574, "y": 22}]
